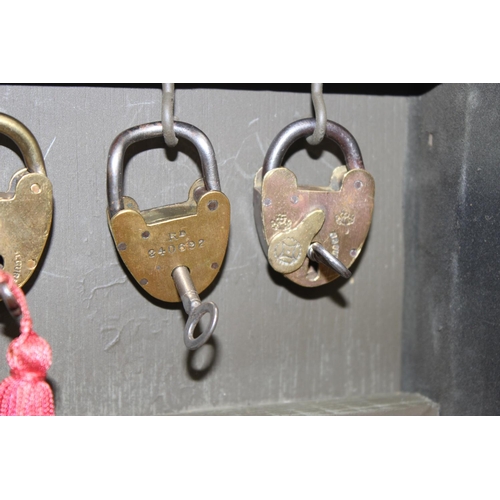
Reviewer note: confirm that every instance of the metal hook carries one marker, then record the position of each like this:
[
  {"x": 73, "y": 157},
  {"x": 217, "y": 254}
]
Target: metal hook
[
  {"x": 320, "y": 112},
  {"x": 11, "y": 303},
  {"x": 167, "y": 114},
  {"x": 194, "y": 308},
  {"x": 320, "y": 254}
]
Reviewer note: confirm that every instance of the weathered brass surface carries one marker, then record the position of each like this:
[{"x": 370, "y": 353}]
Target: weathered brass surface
[
  {"x": 25, "y": 221},
  {"x": 288, "y": 247},
  {"x": 281, "y": 206},
  {"x": 26, "y": 208},
  {"x": 152, "y": 243}
]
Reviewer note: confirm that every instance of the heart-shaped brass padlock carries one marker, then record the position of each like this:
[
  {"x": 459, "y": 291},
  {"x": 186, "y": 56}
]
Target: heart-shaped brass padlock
[
  {"x": 194, "y": 234},
  {"x": 26, "y": 208},
  {"x": 294, "y": 222},
  {"x": 175, "y": 251}
]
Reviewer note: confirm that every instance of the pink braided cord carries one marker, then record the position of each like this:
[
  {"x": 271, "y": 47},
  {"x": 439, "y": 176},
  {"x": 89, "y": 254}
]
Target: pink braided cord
[{"x": 26, "y": 391}]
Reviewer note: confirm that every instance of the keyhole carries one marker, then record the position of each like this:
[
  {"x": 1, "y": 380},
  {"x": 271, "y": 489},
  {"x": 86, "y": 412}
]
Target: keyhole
[{"x": 313, "y": 271}]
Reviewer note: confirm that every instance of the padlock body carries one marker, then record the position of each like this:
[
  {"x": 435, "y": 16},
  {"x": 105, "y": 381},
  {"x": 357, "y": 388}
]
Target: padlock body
[
  {"x": 280, "y": 205},
  {"x": 25, "y": 221},
  {"x": 194, "y": 234}
]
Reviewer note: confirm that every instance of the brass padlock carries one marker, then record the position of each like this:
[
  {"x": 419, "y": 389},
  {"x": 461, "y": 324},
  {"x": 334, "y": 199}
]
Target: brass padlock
[
  {"x": 174, "y": 252},
  {"x": 26, "y": 208},
  {"x": 312, "y": 235}
]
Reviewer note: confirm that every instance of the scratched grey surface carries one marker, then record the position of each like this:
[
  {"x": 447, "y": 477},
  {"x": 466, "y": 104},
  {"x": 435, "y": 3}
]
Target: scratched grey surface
[
  {"x": 395, "y": 404},
  {"x": 118, "y": 353}
]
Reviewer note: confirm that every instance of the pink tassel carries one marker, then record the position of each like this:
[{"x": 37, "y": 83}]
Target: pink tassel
[{"x": 26, "y": 391}]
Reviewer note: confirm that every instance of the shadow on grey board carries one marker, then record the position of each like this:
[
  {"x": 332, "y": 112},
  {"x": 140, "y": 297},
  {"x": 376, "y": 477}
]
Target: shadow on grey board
[{"x": 201, "y": 362}]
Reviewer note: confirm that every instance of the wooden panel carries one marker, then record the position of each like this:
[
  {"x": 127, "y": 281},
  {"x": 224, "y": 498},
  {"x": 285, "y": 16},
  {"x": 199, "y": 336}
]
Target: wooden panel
[{"x": 116, "y": 351}]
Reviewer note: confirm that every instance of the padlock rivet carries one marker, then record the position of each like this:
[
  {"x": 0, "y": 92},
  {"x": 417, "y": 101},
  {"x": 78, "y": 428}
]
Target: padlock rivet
[
  {"x": 214, "y": 265},
  {"x": 122, "y": 247},
  {"x": 358, "y": 184},
  {"x": 213, "y": 205},
  {"x": 35, "y": 189},
  {"x": 353, "y": 252},
  {"x": 267, "y": 202},
  {"x": 31, "y": 264},
  {"x": 143, "y": 282},
  {"x": 294, "y": 199},
  {"x": 145, "y": 235}
]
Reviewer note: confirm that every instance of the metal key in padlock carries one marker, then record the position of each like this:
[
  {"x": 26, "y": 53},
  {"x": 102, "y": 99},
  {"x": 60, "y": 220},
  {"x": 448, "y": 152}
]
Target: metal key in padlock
[
  {"x": 299, "y": 224},
  {"x": 26, "y": 208},
  {"x": 174, "y": 252}
]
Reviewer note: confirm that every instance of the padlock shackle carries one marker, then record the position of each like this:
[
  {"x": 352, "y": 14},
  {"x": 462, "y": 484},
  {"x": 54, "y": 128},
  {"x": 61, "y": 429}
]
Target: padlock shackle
[
  {"x": 25, "y": 141},
  {"x": 152, "y": 131},
  {"x": 304, "y": 128}
]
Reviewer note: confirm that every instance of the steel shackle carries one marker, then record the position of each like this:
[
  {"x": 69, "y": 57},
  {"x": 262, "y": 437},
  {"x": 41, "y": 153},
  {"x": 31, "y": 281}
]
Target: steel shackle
[
  {"x": 25, "y": 141},
  {"x": 304, "y": 128},
  {"x": 152, "y": 131}
]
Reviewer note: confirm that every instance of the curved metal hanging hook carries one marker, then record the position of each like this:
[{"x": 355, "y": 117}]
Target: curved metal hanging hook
[
  {"x": 167, "y": 114},
  {"x": 320, "y": 112},
  {"x": 194, "y": 308}
]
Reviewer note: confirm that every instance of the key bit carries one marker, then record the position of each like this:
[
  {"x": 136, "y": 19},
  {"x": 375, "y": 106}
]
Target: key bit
[{"x": 321, "y": 255}]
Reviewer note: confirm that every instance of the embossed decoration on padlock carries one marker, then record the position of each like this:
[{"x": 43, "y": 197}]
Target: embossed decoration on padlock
[
  {"x": 293, "y": 220},
  {"x": 26, "y": 208},
  {"x": 193, "y": 234}
]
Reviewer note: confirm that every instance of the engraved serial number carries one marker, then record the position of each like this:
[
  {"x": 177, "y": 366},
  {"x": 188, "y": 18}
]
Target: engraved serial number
[
  {"x": 178, "y": 247},
  {"x": 18, "y": 266},
  {"x": 334, "y": 239}
]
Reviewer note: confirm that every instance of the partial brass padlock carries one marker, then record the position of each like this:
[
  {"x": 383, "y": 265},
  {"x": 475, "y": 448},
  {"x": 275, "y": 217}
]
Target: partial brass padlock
[
  {"x": 312, "y": 235},
  {"x": 26, "y": 208},
  {"x": 174, "y": 252}
]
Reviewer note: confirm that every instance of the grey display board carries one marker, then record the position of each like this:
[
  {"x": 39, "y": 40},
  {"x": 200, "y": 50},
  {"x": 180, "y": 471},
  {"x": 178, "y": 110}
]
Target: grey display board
[{"x": 115, "y": 351}]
